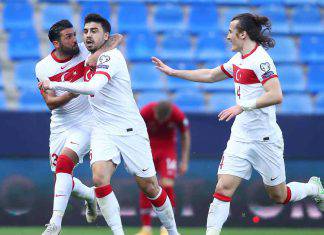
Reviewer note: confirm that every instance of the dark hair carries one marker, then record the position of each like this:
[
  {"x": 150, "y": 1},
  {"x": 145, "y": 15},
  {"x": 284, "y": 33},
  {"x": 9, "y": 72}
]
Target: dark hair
[
  {"x": 55, "y": 30},
  {"x": 163, "y": 110},
  {"x": 255, "y": 26},
  {"x": 98, "y": 19}
]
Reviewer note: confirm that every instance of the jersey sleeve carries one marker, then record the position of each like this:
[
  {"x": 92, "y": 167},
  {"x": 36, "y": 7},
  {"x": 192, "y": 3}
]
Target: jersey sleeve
[
  {"x": 40, "y": 76},
  {"x": 265, "y": 70},
  {"x": 181, "y": 119},
  {"x": 108, "y": 65},
  {"x": 227, "y": 67}
]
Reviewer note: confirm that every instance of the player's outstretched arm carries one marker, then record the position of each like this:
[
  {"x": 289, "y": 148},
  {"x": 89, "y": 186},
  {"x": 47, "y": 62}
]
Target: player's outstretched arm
[
  {"x": 198, "y": 75},
  {"x": 113, "y": 42},
  {"x": 86, "y": 88}
]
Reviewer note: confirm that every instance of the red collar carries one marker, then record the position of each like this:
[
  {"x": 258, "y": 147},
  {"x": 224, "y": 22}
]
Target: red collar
[
  {"x": 251, "y": 52},
  {"x": 58, "y": 59}
]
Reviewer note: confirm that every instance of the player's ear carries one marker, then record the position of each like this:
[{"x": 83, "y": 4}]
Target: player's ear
[
  {"x": 243, "y": 34},
  {"x": 56, "y": 44},
  {"x": 106, "y": 36}
]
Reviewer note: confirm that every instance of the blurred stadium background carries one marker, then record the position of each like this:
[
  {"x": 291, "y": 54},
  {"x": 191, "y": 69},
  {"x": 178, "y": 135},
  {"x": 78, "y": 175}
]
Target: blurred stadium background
[{"x": 187, "y": 34}]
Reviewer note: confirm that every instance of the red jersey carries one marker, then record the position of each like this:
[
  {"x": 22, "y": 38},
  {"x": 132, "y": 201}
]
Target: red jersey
[{"x": 163, "y": 135}]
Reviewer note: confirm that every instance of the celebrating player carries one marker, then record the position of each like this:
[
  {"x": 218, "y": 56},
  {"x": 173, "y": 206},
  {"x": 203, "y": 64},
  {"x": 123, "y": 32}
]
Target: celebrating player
[
  {"x": 119, "y": 130},
  {"x": 71, "y": 121},
  {"x": 256, "y": 140},
  {"x": 162, "y": 120}
]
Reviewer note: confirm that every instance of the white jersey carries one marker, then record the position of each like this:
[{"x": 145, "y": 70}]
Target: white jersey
[
  {"x": 114, "y": 107},
  {"x": 250, "y": 72},
  {"x": 76, "y": 110}
]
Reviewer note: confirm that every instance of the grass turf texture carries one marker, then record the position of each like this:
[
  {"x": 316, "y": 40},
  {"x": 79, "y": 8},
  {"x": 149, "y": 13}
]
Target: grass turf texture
[{"x": 183, "y": 231}]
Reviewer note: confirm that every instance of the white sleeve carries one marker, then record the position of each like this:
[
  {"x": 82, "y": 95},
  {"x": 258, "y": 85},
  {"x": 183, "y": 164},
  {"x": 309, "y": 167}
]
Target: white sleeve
[
  {"x": 227, "y": 67},
  {"x": 96, "y": 83},
  {"x": 265, "y": 70},
  {"x": 39, "y": 75},
  {"x": 108, "y": 64}
]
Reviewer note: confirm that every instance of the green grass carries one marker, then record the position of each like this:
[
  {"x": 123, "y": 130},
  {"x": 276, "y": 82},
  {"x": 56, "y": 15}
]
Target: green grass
[{"x": 183, "y": 231}]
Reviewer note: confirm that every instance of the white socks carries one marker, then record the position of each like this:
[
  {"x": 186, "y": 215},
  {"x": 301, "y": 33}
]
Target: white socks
[
  {"x": 217, "y": 215},
  {"x": 163, "y": 208},
  {"x": 110, "y": 210},
  {"x": 82, "y": 191},
  {"x": 301, "y": 190},
  {"x": 62, "y": 192}
]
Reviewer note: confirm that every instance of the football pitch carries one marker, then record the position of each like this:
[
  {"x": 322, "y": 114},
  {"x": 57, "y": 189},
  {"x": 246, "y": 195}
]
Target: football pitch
[{"x": 183, "y": 231}]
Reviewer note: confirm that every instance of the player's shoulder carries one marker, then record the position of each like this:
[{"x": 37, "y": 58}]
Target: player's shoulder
[
  {"x": 236, "y": 56},
  {"x": 176, "y": 110},
  {"x": 42, "y": 66},
  {"x": 262, "y": 54}
]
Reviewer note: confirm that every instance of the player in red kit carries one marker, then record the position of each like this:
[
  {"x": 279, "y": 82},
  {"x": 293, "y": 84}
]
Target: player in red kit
[{"x": 163, "y": 119}]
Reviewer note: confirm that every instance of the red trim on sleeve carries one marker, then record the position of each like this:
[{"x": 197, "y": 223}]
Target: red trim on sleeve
[
  {"x": 227, "y": 73},
  {"x": 103, "y": 73},
  {"x": 272, "y": 76},
  {"x": 222, "y": 197}
]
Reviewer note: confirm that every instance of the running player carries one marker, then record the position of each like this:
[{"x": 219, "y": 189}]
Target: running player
[
  {"x": 70, "y": 122},
  {"x": 256, "y": 140},
  {"x": 163, "y": 119},
  {"x": 119, "y": 130}
]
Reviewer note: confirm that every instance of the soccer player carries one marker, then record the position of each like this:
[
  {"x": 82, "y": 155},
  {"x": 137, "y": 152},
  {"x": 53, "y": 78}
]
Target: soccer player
[
  {"x": 256, "y": 140},
  {"x": 162, "y": 120},
  {"x": 71, "y": 121},
  {"x": 119, "y": 130}
]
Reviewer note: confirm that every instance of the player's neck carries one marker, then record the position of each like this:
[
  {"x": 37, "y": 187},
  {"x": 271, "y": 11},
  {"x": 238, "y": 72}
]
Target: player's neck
[
  {"x": 248, "y": 47},
  {"x": 61, "y": 56}
]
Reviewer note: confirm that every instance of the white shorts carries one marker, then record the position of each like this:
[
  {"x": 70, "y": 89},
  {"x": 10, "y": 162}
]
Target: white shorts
[
  {"x": 76, "y": 138},
  {"x": 134, "y": 149},
  {"x": 266, "y": 158}
]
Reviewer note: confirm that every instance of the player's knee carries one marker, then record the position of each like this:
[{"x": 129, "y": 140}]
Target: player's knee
[
  {"x": 165, "y": 182},
  {"x": 224, "y": 189},
  {"x": 99, "y": 180},
  {"x": 277, "y": 197},
  {"x": 150, "y": 189}
]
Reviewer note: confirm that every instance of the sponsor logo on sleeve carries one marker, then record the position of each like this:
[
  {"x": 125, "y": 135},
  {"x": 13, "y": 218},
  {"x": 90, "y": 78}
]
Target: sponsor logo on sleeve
[{"x": 265, "y": 67}]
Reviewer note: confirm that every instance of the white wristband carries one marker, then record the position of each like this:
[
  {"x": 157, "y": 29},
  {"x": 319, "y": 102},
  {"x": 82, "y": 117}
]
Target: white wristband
[{"x": 248, "y": 105}]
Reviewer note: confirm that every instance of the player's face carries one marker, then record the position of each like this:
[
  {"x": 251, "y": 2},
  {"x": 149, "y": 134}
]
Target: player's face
[
  {"x": 94, "y": 36},
  {"x": 234, "y": 36},
  {"x": 68, "y": 43}
]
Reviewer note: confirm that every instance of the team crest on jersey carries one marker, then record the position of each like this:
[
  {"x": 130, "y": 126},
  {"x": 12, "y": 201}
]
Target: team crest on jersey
[
  {"x": 265, "y": 67},
  {"x": 103, "y": 59}
]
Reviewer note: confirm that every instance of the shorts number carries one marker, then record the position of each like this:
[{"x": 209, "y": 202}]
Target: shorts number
[
  {"x": 54, "y": 159},
  {"x": 238, "y": 93}
]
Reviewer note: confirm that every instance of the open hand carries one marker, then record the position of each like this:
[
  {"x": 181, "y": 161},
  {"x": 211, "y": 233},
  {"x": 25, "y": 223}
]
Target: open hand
[
  {"x": 229, "y": 113},
  {"x": 162, "y": 67}
]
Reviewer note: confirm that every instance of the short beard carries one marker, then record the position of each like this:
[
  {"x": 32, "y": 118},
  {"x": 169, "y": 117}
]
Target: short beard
[{"x": 70, "y": 51}]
